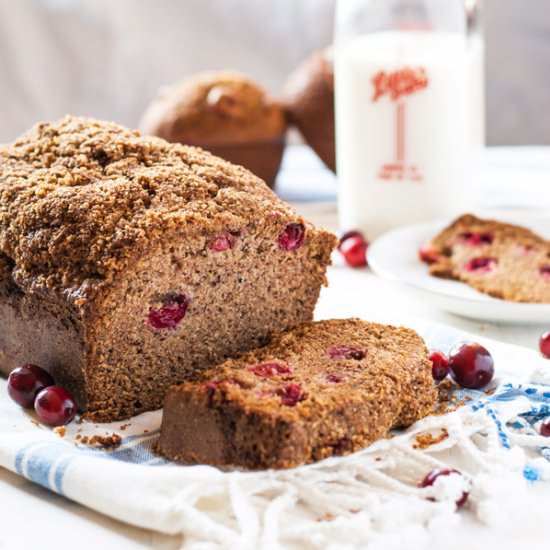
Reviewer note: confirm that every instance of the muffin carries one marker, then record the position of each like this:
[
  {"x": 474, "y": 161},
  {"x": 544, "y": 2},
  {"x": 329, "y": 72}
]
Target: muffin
[
  {"x": 308, "y": 98},
  {"x": 225, "y": 113}
]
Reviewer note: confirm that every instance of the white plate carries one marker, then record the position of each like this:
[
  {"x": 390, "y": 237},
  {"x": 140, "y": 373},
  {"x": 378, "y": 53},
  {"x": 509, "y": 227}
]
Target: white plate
[{"x": 394, "y": 256}]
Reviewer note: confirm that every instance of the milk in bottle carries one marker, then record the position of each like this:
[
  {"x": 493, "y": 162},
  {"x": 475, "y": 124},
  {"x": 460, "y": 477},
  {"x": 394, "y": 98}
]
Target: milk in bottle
[{"x": 404, "y": 124}]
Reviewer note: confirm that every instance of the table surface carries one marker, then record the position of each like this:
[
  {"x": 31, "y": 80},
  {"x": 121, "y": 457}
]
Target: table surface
[{"x": 33, "y": 516}]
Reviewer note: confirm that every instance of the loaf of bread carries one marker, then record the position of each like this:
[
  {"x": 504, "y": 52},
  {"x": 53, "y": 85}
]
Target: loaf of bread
[
  {"x": 128, "y": 264},
  {"x": 225, "y": 113},
  {"x": 500, "y": 259},
  {"x": 323, "y": 389}
]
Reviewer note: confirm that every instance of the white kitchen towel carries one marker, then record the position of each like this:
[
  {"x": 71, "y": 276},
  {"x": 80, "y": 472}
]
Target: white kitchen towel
[{"x": 371, "y": 496}]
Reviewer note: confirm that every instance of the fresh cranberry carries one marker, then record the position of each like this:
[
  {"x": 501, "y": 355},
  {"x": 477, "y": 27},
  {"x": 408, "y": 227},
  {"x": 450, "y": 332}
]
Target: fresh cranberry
[
  {"x": 25, "y": 382},
  {"x": 346, "y": 352},
  {"x": 545, "y": 272},
  {"x": 429, "y": 480},
  {"x": 291, "y": 394},
  {"x": 172, "y": 311},
  {"x": 545, "y": 429},
  {"x": 292, "y": 237},
  {"x": 476, "y": 239},
  {"x": 354, "y": 250},
  {"x": 428, "y": 254},
  {"x": 267, "y": 370},
  {"x": 334, "y": 377},
  {"x": 55, "y": 406},
  {"x": 544, "y": 344},
  {"x": 221, "y": 243},
  {"x": 350, "y": 235},
  {"x": 471, "y": 365},
  {"x": 440, "y": 365},
  {"x": 481, "y": 264}
]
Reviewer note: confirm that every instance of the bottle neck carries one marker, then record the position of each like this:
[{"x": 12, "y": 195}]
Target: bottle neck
[{"x": 357, "y": 17}]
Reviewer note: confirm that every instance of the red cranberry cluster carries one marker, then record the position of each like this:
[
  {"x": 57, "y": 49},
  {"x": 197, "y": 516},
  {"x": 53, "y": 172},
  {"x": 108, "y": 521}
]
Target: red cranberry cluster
[
  {"x": 353, "y": 246},
  {"x": 469, "y": 364},
  {"x": 34, "y": 388}
]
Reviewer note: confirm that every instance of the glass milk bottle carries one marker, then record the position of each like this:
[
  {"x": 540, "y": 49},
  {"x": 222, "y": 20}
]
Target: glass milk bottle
[{"x": 403, "y": 93}]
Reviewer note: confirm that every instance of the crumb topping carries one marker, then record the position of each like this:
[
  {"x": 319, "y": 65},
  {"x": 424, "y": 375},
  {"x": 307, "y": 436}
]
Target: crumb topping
[
  {"x": 108, "y": 441},
  {"x": 79, "y": 198}
]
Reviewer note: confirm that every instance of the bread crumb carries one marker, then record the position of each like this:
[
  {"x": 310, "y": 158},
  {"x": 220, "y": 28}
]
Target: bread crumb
[
  {"x": 124, "y": 426},
  {"x": 109, "y": 441},
  {"x": 427, "y": 439},
  {"x": 60, "y": 431},
  {"x": 447, "y": 398}
]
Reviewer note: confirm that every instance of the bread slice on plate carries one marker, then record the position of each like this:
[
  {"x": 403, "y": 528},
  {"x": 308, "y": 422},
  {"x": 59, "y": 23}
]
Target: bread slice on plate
[
  {"x": 325, "y": 388},
  {"x": 500, "y": 259}
]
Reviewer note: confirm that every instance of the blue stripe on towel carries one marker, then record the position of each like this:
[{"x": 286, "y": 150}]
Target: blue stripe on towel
[
  {"x": 60, "y": 471},
  {"x": 46, "y": 463},
  {"x": 35, "y": 462}
]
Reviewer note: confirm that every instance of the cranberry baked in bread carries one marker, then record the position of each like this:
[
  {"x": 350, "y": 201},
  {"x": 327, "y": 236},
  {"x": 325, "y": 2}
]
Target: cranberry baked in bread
[
  {"x": 323, "y": 389},
  {"x": 500, "y": 259},
  {"x": 128, "y": 264}
]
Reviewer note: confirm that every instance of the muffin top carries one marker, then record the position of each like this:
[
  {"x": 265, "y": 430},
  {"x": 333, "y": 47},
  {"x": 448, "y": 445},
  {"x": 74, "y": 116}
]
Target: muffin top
[{"x": 214, "y": 108}]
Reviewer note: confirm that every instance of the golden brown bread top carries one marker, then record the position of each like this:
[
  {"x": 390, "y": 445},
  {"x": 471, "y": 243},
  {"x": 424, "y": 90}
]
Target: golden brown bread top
[
  {"x": 79, "y": 198},
  {"x": 214, "y": 108}
]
